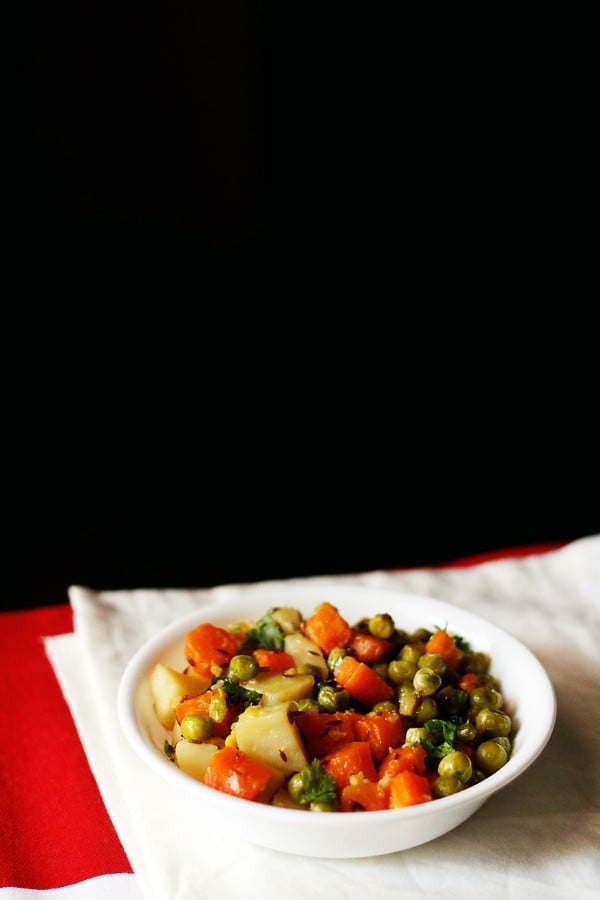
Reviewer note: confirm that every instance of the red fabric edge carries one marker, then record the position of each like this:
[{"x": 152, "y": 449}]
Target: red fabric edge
[{"x": 509, "y": 553}]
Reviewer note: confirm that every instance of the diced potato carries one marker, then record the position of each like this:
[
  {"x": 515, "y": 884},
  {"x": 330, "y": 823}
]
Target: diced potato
[
  {"x": 279, "y": 688},
  {"x": 306, "y": 652},
  {"x": 169, "y": 687},
  {"x": 194, "y": 758},
  {"x": 288, "y": 618},
  {"x": 269, "y": 733}
]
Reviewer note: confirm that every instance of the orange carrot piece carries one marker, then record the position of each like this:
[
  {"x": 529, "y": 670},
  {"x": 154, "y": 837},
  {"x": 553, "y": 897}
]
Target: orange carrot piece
[
  {"x": 209, "y": 648},
  {"x": 369, "y": 649},
  {"x": 444, "y": 644},
  {"x": 323, "y": 733},
  {"x": 362, "y": 682},
  {"x": 327, "y": 628},
  {"x": 382, "y": 732},
  {"x": 200, "y": 706},
  {"x": 468, "y": 682},
  {"x": 234, "y": 772},
  {"x": 274, "y": 660},
  {"x": 408, "y": 789},
  {"x": 364, "y": 795},
  {"x": 409, "y": 758},
  {"x": 349, "y": 760}
]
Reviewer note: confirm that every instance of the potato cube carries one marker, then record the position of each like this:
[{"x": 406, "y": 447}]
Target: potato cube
[
  {"x": 193, "y": 759},
  {"x": 280, "y": 688},
  {"x": 306, "y": 652},
  {"x": 269, "y": 733},
  {"x": 169, "y": 687}
]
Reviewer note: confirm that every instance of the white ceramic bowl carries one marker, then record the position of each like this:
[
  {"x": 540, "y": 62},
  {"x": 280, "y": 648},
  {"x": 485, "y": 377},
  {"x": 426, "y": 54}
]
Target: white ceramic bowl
[{"x": 527, "y": 691}]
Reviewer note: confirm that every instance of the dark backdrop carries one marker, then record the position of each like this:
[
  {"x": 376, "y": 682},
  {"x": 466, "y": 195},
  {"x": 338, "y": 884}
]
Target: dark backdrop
[
  {"x": 200, "y": 527},
  {"x": 285, "y": 293}
]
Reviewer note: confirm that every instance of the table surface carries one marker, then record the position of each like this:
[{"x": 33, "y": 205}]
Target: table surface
[{"x": 55, "y": 828}]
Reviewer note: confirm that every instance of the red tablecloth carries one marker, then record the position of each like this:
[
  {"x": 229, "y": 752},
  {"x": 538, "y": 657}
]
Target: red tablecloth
[{"x": 55, "y": 829}]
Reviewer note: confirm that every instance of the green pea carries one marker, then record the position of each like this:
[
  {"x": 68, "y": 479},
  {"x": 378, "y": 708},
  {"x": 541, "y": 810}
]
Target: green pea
[
  {"x": 332, "y": 699},
  {"x": 456, "y": 763},
  {"x": 306, "y": 704},
  {"x": 308, "y": 669},
  {"x": 466, "y": 733},
  {"x": 493, "y": 723},
  {"x": 445, "y": 785},
  {"x": 504, "y": 742},
  {"x": 399, "y": 670},
  {"x": 384, "y": 706},
  {"x": 217, "y": 708},
  {"x": 485, "y": 698},
  {"x": 421, "y": 635},
  {"x": 475, "y": 662},
  {"x": 411, "y": 652},
  {"x": 243, "y": 667},
  {"x": 335, "y": 657},
  {"x": 490, "y": 756},
  {"x": 426, "y": 681},
  {"x": 432, "y": 661},
  {"x": 295, "y": 787},
  {"x": 426, "y": 709},
  {"x": 382, "y": 626},
  {"x": 196, "y": 727}
]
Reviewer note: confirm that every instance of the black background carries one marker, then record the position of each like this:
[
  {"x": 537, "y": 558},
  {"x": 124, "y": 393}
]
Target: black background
[{"x": 286, "y": 293}]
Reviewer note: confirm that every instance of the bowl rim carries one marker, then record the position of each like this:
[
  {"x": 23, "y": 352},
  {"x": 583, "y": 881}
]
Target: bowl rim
[{"x": 139, "y": 666}]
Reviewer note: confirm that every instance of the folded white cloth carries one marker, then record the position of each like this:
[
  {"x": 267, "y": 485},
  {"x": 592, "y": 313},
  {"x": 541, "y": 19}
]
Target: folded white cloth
[{"x": 538, "y": 838}]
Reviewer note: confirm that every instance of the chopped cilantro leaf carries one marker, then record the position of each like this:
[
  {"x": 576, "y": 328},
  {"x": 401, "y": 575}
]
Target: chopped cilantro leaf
[
  {"x": 462, "y": 644},
  {"x": 317, "y": 784},
  {"x": 437, "y": 751},
  {"x": 447, "y": 727},
  {"x": 169, "y": 750},
  {"x": 266, "y": 634},
  {"x": 238, "y": 694}
]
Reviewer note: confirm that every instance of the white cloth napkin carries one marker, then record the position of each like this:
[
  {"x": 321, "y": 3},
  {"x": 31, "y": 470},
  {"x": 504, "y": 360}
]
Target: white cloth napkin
[{"x": 538, "y": 838}]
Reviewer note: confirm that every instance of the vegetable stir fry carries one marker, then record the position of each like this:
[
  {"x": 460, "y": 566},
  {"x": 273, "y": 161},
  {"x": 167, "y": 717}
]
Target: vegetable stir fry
[{"x": 318, "y": 714}]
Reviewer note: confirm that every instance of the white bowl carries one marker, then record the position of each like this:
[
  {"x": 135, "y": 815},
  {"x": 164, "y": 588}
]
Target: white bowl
[{"x": 528, "y": 694}]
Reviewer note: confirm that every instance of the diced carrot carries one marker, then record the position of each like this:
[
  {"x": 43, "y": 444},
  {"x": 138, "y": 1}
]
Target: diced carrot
[
  {"x": 444, "y": 644},
  {"x": 327, "y": 628},
  {"x": 468, "y": 682},
  {"x": 362, "y": 682},
  {"x": 208, "y": 648},
  {"x": 200, "y": 705},
  {"x": 274, "y": 660},
  {"x": 408, "y": 789},
  {"x": 369, "y": 649},
  {"x": 364, "y": 795},
  {"x": 325, "y": 732},
  {"x": 234, "y": 772},
  {"x": 351, "y": 759},
  {"x": 408, "y": 758},
  {"x": 382, "y": 731}
]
